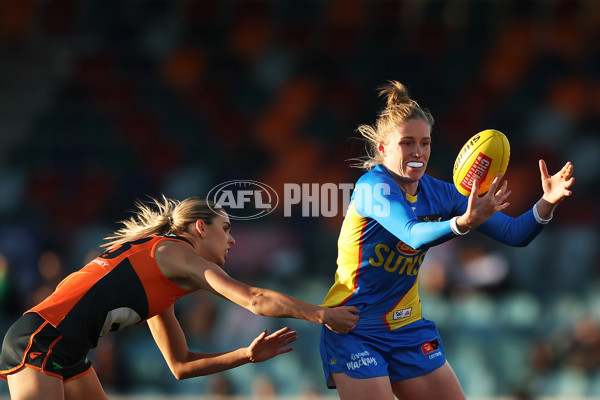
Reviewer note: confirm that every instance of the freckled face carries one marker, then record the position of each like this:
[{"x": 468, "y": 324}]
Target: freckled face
[
  {"x": 217, "y": 240},
  {"x": 406, "y": 153}
]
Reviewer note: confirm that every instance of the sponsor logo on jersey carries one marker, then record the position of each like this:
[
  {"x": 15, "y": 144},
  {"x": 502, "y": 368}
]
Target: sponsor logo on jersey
[
  {"x": 405, "y": 313},
  {"x": 430, "y": 218},
  {"x": 405, "y": 249},
  {"x": 100, "y": 262}
]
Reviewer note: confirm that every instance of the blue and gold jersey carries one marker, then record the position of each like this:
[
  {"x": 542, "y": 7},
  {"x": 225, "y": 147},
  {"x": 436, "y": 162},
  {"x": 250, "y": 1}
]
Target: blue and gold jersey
[{"x": 385, "y": 236}]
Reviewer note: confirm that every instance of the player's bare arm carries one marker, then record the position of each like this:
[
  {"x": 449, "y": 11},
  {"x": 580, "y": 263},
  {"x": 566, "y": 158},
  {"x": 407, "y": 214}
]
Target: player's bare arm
[
  {"x": 183, "y": 363},
  {"x": 184, "y": 267}
]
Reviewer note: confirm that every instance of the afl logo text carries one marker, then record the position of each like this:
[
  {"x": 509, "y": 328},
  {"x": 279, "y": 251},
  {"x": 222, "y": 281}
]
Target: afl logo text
[{"x": 244, "y": 199}]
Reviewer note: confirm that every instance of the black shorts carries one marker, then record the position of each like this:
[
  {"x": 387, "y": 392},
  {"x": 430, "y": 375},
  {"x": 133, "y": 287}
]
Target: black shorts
[{"x": 31, "y": 341}]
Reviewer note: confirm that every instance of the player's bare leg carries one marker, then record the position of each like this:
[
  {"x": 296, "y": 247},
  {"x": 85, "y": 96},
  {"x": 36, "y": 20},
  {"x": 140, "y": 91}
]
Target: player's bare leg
[
  {"x": 31, "y": 384},
  {"x": 86, "y": 387},
  {"x": 439, "y": 384},
  {"x": 363, "y": 389}
]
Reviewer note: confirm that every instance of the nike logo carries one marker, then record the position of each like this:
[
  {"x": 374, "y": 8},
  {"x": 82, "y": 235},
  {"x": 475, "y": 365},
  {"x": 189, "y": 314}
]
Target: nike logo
[{"x": 34, "y": 354}]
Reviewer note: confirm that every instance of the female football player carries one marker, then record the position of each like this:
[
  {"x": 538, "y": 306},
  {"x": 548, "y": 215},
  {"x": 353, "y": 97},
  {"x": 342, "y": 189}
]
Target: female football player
[
  {"x": 160, "y": 255},
  {"x": 396, "y": 214}
]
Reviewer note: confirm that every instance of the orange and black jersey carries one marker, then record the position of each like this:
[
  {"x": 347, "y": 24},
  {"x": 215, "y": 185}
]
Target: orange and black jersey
[{"x": 121, "y": 287}]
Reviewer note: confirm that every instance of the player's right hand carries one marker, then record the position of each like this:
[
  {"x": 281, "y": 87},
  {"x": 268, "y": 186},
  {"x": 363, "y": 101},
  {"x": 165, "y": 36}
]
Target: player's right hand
[
  {"x": 480, "y": 208},
  {"x": 266, "y": 346},
  {"x": 341, "y": 319}
]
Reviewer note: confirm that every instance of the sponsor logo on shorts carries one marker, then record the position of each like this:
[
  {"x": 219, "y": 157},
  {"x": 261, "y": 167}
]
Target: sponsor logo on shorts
[
  {"x": 333, "y": 361},
  {"x": 400, "y": 314},
  {"x": 57, "y": 365},
  {"x": 34, "y": 354},
  {"x": 430, "y": 347},
  {"x": 359, "y": 360}
]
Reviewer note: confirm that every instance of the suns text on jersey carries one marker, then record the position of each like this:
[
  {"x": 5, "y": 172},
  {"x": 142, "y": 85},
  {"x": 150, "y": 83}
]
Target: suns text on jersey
[{"x": 393, "y": 260}]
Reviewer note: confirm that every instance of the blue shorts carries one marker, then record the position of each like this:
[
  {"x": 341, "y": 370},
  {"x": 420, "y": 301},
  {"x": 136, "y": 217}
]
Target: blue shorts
[{"x": 413, "y": 350}]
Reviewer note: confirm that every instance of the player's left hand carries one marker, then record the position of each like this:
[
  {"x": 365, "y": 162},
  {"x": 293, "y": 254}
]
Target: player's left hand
[
  {"x": 266, "y": 347},
  {"x": 556, "y": 187}
]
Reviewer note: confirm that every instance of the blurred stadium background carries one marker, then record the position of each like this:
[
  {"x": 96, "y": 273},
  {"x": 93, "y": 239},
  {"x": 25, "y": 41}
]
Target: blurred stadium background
[{"x": 103, "y": 102}]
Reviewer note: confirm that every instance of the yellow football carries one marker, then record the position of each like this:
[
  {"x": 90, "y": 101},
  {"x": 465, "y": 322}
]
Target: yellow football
[{"x": 484, "y": 156}]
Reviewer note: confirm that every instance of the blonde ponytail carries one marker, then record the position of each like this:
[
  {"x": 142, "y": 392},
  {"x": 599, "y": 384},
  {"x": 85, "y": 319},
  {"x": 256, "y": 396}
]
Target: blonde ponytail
[
  {"x": 162, "y": 217},
  {"x": 395, "y": 93},
  {"x": 399, "y": 108}
]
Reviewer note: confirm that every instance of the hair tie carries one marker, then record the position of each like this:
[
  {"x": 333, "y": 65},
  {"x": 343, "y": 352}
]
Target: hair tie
[{"x": 170, "y": 220}]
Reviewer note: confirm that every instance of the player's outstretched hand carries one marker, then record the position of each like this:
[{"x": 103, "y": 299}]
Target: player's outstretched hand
[
  {"x": 480, "y": 208},
  {"x": 266, "y": 347},
  {"x": 341, "y": 319},
  {"x": 556, "y": 187}
]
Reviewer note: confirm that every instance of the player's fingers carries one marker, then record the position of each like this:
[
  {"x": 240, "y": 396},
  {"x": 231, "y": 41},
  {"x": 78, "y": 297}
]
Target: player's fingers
[
  {"x": 570, "y": 182},
  {"x": 495, "y": 183},
  {"x": 502, "y": 206},
  {"x": 543, "y": 169},
  {"x": 289, "y": 340},
  {"x": 503, "y": 197},
  {"x": 566, "y": 171},
  {"x": 474, "y": 189},
  {"x": 505, "y": 193},
  {"x": 282, "y": 330},
  {"x": 286, "y": 350},
  {"x": 282, "y": 335},
  {"x": 262, "y": 335},
  {"x": 331, "y": 328},
  {"x": 291, "y": 336},
  {"x": 502, "y": 189}
]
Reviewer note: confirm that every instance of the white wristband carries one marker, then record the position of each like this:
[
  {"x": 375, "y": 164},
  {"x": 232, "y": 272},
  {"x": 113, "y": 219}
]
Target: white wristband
[
  {"x": 454, "y": 227},
  {"x": 537, "y": 217}
]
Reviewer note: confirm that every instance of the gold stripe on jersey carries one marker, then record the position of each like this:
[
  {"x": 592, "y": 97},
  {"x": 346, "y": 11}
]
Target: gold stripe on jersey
[
  {"x": 349, "y": 258},
  {"x": 407, "y": 310}
]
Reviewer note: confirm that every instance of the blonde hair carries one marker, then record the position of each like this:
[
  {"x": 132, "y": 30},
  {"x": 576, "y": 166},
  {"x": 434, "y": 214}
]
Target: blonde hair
[
  {"x": 399, "y": 108},
  {"x": 162, "y": 217}
]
